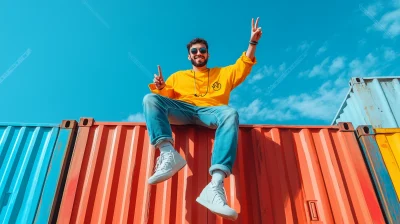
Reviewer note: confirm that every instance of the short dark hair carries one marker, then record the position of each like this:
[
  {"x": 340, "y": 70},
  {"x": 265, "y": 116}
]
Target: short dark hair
[{"x": 196, "y": 41}]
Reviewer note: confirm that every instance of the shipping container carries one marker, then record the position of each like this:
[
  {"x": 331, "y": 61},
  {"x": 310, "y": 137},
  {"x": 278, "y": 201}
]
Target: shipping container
[
  {"x": 283, "y": 174},
  {"x": 381, "y": 150},
  {"x": 33, "y": 161},
  {"x": 371, "y": 101}
]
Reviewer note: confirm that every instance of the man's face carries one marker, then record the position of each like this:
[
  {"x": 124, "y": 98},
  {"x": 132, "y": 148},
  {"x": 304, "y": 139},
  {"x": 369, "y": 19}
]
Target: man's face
[{"x": 198, "y": 55}]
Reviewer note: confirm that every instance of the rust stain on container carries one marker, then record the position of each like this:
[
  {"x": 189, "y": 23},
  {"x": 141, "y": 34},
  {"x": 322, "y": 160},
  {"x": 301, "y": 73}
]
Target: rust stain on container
[{"x": 283, "y": 174}]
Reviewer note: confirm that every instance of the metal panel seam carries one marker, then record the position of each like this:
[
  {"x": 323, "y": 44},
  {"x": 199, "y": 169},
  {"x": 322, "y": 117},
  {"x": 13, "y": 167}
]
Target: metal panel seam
[{"x": 56, "y": 175}]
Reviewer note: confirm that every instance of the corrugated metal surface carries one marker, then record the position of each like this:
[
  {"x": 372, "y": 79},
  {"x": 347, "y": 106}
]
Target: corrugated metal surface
[
  {"x": 388, "y": 140},
  {"x": 29, "y": 169},
  {"x": 282, "y": 175},
  {"x": 371, "y": 101},
  {"x": 381, "y": 148}
]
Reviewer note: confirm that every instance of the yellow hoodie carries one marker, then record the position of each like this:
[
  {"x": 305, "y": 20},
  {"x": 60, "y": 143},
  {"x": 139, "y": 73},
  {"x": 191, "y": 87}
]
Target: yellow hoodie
[{"x": 212, "y": 87}]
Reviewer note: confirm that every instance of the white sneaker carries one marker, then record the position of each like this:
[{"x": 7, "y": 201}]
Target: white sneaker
[
  {"x": 168, "y": 163},
  {"x": 213, "y": 197}
]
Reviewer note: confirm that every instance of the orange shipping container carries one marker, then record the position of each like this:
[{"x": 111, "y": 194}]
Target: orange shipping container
[{"x": 283, "y": 174}]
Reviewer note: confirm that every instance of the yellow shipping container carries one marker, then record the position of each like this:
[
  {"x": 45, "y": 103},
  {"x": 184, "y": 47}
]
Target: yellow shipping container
[
  {"x": 381, "y": 150},
  {"x": 388, "y": 140}
]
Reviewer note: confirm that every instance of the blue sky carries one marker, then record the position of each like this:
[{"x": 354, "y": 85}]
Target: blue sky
[{"x": 71, "y": 59}]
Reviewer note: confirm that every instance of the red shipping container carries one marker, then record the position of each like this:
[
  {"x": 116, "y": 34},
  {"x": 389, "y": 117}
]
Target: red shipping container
[{"x": 283, "y": 174}]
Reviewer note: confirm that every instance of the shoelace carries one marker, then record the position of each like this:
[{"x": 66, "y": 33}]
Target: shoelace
[
  {"x": 220, "y": 193},
  {"x": 164, "y": 161}
]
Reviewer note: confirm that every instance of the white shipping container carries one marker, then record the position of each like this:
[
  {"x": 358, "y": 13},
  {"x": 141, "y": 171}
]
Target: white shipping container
[{"x": 371, "y": 101}]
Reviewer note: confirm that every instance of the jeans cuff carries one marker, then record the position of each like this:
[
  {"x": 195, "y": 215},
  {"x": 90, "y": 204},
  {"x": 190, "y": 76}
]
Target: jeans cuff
[
  {"x": 223, "y": 168},
  {"x": 160, "y": 140}
]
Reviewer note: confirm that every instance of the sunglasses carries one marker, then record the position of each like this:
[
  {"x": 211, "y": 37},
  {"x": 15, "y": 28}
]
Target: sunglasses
[{"x": 202, "y": 50}]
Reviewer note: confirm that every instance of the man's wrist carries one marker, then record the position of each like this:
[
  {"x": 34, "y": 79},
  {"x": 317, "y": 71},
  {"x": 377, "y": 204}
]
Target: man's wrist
[{"x": 252, "y": 42}]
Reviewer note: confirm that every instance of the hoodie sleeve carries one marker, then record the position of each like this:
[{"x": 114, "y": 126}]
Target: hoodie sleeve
[{"x": 240, "y": 70}]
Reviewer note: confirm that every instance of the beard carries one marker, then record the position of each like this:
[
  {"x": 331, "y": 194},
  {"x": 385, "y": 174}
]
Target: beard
[{"x": 201, "y": 64}]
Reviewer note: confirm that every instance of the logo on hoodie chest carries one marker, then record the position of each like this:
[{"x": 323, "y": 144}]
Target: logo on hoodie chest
[{"x": 216, "y": 86}]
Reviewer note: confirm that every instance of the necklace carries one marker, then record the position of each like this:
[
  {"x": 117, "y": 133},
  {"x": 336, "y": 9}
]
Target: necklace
[{"x": 194, "y": 79}]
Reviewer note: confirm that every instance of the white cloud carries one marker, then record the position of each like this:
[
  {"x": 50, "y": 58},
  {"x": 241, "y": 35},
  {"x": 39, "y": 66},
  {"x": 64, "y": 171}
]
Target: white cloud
[
  {"x": 257, "y": 89},
  {"x": 321, "y": 104},
  {"x": 304, "y": 45},
  {"x": 341, "y": 81},
  {"x": 337, "y": 65},
  {"x": 370, "y": 60},
  {"x": 373, "y": 9},
  {"x": 259, "y": 110},
  {"x": 321, "y": 50},
  {"x": 364, "y": 68},
  {"x": 304, "y": 73},
  {"x": 261, "y": 73},
  {"x": 319, "y": 69},
  {"x": 390, "y": 54},
  {"x": 251, "y": 111},
  {"x": 355, "y": 68},
  {"x": 370, "y": 65},
  {"x": 389, "y": 23},
  {"x": 267, "y": 71},
  {"x": 362, "y": 42},
  {"x": 138, "y": 117},
  {"x": 282, "y": 67},
  {"x": 396, "y": 3},
  {"x": 256, "y": 77}
]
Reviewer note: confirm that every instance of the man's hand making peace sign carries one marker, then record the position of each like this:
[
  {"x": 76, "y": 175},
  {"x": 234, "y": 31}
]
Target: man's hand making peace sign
[
  {"x": 254, "y": 38},
  {"x": 255, "y": 31}
]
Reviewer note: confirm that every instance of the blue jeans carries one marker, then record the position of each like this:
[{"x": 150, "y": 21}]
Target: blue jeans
[{"x": 160, "y": 112}]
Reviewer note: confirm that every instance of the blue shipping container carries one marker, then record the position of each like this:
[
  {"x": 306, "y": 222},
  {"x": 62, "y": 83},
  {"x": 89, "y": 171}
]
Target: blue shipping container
[
  {"x": 371, "y": 101},
  {"x": 34, "y": 159}
]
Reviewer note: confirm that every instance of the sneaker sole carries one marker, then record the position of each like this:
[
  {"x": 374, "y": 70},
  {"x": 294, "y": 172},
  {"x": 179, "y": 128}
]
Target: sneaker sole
[
  {"x": 208, "y": 206},
  {"x": 167, "y": 177}
]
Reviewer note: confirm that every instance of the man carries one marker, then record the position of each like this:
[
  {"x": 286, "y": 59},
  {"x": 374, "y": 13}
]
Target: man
[{"x": 199, "y": 96}]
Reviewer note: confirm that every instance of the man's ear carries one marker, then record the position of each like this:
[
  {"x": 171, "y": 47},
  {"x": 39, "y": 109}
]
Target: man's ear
[{"x": 189, "y": 57}]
